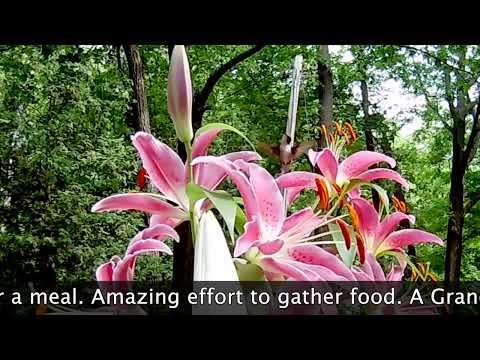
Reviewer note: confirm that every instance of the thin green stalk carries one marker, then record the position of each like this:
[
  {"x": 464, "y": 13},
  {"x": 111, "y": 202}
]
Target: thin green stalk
[{"x": 188, "y": 148}]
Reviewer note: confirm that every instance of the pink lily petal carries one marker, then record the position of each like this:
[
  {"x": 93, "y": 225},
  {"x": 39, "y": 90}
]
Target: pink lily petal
[
  {"x": 157, "y": 232},
  {"x": 159, "y": 219},
  {"x": 202, "y": 142},
  {"x": 148, "y": 246},
  {"x": 375, "y": 268},
  {"x": 295, "y": 182},
  {"x": 105, "y": 272},
  {"x": 312, "y": 156},
  {"x": 297, "y": 218},
  {"x": 360, "y": 275},
  {"x": 293, "y": 194},
  {"x": 360, "y": 161},
  {"x": 124, "y": 269},
  {"x": 367, "y": 218},
  {"x": 247, "y": 239},
  {"x": 303, "y": 230},
  {"x": 269, "y": 201},
  {"x": 395, "y": 274},
  {"x": 366, "y": 269},
  {"x": 355, "y": 193},
  {"x": 326, "y": 162},
  {"x": 273, "y": 276},
  {"x": 382, "y": 174},
  {"x": 321, "y": 273},
  {"x": 389, "y": 224},
  {"x": 210, "y": 176},
  {"x": 242, "y": 166},
  {"x": 303, "y": 179},
  {"x": 239, "y": 179},
  {"x": 164, "y": 166},
  {"x": 206, "y": 175},
  {"x": 246, "y": 156},
  {"x": 309, "y": 270},
  {"x": 402, "y": 238},
  {"x": 300, "y": 224},
  {"x": 315, "y": 255},
  {"x": 269, "y": 247},
  {"x": 180, "y": 95},
  {"x": 283, "y": 267},
  {"x": 138, "y": 201}
]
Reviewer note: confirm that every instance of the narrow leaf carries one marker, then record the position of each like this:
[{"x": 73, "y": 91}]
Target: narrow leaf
[
  {"x": 224, "y": 127},
  {"x": 227, "y": 207},
  {"x": 347, "y": 256}
]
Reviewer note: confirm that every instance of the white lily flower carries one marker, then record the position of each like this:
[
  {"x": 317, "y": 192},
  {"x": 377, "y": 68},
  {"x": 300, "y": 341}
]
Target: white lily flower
[{"x": 212, "y": 261}]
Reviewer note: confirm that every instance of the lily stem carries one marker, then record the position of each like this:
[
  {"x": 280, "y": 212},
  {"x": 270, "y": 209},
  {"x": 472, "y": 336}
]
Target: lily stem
[{"x": 189, "y": 168}]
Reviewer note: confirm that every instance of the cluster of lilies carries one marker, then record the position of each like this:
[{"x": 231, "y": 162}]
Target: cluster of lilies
[{"x": 284, "y": 245}]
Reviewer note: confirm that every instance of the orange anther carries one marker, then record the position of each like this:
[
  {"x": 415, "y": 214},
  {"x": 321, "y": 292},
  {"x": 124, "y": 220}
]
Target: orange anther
[
  {"x": 322, "y": 192},
  {"x": 345, "y": 233}
]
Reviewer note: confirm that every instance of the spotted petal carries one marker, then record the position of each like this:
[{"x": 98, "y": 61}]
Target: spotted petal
[
  {"x": 138, "y": 201},
  {"x": 403, "y": 238},
  {"x": 368, "y": 218},
  {"x": 382, "y": 174},
  {"x": 164, "y": 166},
  {"x": 269, "y": 201},
  {"x": 326, "y": 161},
  {"x": 359, "y": 162}
]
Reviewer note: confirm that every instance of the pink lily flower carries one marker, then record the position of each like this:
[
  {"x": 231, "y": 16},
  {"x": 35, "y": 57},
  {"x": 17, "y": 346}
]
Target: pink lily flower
[
  {"x": 147, "y": 241},
  {"x": 168, "y": 175},
  {"x": 354, "y": 167},
  {"x": 268, "y": 228},
  {"x": 379, "y": 236}
]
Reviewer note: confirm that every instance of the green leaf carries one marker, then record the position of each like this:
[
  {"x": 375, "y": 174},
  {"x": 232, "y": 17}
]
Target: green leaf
[
  {"x": 240, "y": 220},
  {"x": 224, "y": 203},
  {"x": 224, "y": 127},
  {"x": 238, "y": 200},
  {"x": 195, "y": 192},
  {"x": 347, "y": 256},
  {"x": 249, "y": 272}
]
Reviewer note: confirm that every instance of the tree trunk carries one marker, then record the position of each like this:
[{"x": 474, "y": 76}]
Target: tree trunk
[
  {"x": 141, "y": 118},
  {"x": 367, "y": 129},
  {"x": 458, "y": 113},
  {"x": 325, "y": 90},
  {"x": 183, "y": 255},
  {"x": 456, "y": 218}
]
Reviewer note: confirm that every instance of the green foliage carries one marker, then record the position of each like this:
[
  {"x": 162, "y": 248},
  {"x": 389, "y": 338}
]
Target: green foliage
[{"x": 68, "y": 148}]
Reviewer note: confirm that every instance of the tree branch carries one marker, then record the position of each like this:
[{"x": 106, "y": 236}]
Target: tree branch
[
  {"x": 430, "y": 104},
  {"x": 448, "y": 95},
  {"x": 200, "y": 99},
  {"x": 474, "y": 77},
  {"x": 474, "y": 137},
  {"x": 471, "y": 202}
]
